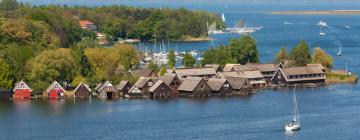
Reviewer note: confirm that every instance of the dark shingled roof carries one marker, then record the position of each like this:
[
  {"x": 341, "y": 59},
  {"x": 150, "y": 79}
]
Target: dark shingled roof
[
  {"x": 215, "y": 83},
  {"x": 190, "y": 83}
]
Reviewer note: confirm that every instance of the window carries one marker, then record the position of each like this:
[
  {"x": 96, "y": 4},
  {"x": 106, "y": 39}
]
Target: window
[
  {"x": 150, "y": 84},
  {"x": 226, "y": 85}
]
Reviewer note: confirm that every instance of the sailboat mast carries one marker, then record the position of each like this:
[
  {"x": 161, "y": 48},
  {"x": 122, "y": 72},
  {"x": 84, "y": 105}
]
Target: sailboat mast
[{"x": 296, "y": 111}]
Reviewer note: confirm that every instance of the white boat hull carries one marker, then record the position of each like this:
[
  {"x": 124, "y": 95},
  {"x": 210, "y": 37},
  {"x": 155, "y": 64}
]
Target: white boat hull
[{"x": 292, "y": 128}]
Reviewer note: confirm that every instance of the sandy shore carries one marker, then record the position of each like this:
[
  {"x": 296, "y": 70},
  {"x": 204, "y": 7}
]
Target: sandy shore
[{"x": 329, "y": 12}]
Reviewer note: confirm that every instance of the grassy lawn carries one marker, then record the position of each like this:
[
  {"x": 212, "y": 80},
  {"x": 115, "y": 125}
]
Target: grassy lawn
[{"x": 340, "y": 78}]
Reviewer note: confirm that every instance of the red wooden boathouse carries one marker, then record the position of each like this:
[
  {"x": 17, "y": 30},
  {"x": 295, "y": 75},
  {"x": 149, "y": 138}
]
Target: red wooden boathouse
[
  {"x": 21, "y": 90},
  {"x": 55, "y": 90}
]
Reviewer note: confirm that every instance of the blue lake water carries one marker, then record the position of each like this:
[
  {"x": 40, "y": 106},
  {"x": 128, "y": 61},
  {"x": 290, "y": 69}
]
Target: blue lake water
[{"x": 331, "y": 112}]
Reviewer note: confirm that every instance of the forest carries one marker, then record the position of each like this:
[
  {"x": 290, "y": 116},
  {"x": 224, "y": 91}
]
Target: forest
[{"x": 40, "y": 44}]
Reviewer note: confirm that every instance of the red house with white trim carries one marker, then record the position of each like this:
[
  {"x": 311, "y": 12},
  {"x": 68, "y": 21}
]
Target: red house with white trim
[
  {"x": 21, "y": 90},
  {"x": 55, "y": 90}
]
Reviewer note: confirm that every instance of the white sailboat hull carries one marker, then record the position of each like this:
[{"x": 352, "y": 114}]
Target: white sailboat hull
[{"x": 293, "y": 127}]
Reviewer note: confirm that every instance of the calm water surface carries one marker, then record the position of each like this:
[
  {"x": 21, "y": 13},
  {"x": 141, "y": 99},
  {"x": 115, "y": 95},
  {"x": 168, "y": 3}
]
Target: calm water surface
[{"x": 331, "y": 112}]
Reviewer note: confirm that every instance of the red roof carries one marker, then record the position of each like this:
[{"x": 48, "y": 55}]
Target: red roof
[{"x": 85, "y": 22}]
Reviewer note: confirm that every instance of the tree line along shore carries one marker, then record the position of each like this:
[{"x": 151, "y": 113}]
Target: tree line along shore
[{"x": 40, "y": 45}]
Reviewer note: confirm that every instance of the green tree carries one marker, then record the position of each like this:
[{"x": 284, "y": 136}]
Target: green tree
[
  {"x": 162, "y": 70},
  {"x": 153, "y": 66},
  {"x": 8, "y": 6},
  {"x": 220, "y": 55},
  {"x": 172, "y": 59},
  {"x": 244, "y": 50},
  {"x": 77, "y": 80},
  {"x": 300, "y": 54},
  {"x": 6, "y": 78},
  {"x": 17, "y": 56},
  {"x": 320, "y": 56},
  {"x": 83, "y": 66},
  {"x": 127, "y": 55},
  {"x": 188, "y": 60},
  {"x": 52, "y": 65},
  {"x": 282, "y": 56}
]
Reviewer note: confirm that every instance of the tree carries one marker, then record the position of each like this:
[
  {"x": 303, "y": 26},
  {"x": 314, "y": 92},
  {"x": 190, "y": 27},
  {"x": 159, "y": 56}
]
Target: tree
[
  {"x": 320, "y": 56},
  {"x": 300, "y": 54},
  {"x": 127, "y": 55},
  {"x": 153, "y": 66},
  {"x": 188, "y": 60},
  {"x": 83, "y": 66},
  {"x": 162, "y": 70},
  {"x": 16, "y": 56},
  {"x": 77, "y": 80},
  {"x": 103, "y": 62},
  {"x": 172, "y": 59},
  {"x": 8, "y": 6},
  {"x": 52, "y": 65},
  {"x": 6, "y": 78},
  {"x": 282, "y": 56},
  {"x": 220, "y": 55},
  {"x": 244, "y": 50}
]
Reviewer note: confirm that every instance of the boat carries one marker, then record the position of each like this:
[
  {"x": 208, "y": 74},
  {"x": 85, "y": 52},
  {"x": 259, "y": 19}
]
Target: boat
[
  {"x": 321, "y": 32},
  {"x": 223, "y": 17},
  {"x": 347, "y": 27},
  {"x": 287, "y": 23},
  {"x": 322, "y": 23},
  {"x": 294, "y": 124},
  {"x": 339, "y": 53}
]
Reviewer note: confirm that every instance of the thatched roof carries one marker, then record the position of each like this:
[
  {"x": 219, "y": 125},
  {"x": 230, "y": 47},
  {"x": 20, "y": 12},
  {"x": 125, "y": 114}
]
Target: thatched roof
[
  {"x": 236, "y": 83},
  {"x": 85, "y": 85},
  {"x": 156, "y": 85},
  {"x": 317, "y": 65},
  {"x": 190, "y": 83},
  {"x": 142, "y": 82},
  {"x": 168, "y": 78},
  {"x": 195, "y": 71},
  {"x": 121, "y": 85},
  {"x": 102, "y": 86},
  {"x": 251, "y": 74},
  {"x": 145, "y": 72},
  {"x": 229, "y": 67},
  {"x": 254, "y": 67},
  {"x": 216, "y": 83}
]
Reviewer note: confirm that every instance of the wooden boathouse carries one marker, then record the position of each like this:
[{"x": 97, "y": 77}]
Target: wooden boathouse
[
  {"x": 82, "y": 91},
  {"x": 160, "y": 90},
  {"x": 194, "y": 86},
  {"x": 21, "y": 90}
]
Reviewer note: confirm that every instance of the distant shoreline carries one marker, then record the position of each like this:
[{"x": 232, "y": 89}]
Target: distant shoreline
[{"x": 324, "y": 12}]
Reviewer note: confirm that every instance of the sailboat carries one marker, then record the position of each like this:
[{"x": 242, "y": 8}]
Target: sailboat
[
  {"x": 339, "y": 53},
  {"x": 321, "y": 32},
  {"x": 223, "y": 17},
  {"x": 295, "y": 123}
]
